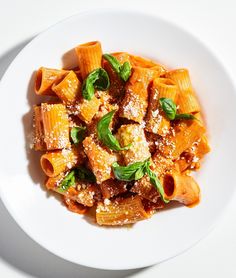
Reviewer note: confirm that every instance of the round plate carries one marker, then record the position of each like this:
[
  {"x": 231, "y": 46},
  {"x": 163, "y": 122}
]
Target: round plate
[{"x": 74, "y": 237}]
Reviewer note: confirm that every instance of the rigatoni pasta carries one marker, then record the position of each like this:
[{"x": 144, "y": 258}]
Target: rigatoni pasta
[
  {"x": 68, "y": 89},
  {"x": 88, "y": 108},
  {"x": 45, "y": 78},
  {"x": 55, "y": 162},
  {"x": 121, "y": 135},
  {"x": 38, "y": 142},
  {"x": 137, "y": 61},
  {"x": 120, "y": 212},
  {"x": 135, "y": 103},
  {"x": 181, "y": 188},
  {"x": 187, "y": 99},
  {"x": 156, "y": 121},
  {"x": 56, "y": 126},
  {"x": 166, "y": 88},
  {"x": 99, "y": 158},
  {"x": 89, "y": 57}
]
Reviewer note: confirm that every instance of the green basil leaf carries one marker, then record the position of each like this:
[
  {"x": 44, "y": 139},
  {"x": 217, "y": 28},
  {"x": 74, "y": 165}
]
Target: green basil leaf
[
  {"x": 125, "y": 71},
  {"x": 97, "y": 79},
  {"x": 113, "y": 62},
  {"x": 169, "y": 107},
  {"x": 67, "y": 182},
  {"x": 184, "y": 117},
  {"x": 85, "y": 174},
  {"x": 131, "y": 172},
  {"x": 77, "y": 134},
  {"x": 88, "y": 85},
  {"x": 105, "y": 135},
  {"x": 155, "y": 182},
  {"x": 103, "y": 81},
  {"x": 140, "y": 172},
  {"x": 136, "y": 171}
]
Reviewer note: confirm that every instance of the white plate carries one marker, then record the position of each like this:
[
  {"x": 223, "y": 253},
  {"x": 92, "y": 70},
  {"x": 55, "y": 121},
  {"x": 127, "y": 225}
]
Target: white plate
[{"x": 69, "y": 235}]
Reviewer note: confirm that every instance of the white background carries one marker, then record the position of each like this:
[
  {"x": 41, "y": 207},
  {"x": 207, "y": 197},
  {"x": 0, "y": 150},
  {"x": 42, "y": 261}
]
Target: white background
[{"x": 213, "y": 22}]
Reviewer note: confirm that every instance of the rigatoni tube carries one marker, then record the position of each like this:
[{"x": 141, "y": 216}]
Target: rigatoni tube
[
  {"x": 89, "y": 57},
  {"x": 181, "y": 188},
  {"x": 120, "y": 212},
  {"x": 53, "y": 163},
  {"x": 68, "y": 89},
  {"x": 45, "y": 77},
  {"x": 187, "y": 99},
  {"x": 56, "y": 126}
]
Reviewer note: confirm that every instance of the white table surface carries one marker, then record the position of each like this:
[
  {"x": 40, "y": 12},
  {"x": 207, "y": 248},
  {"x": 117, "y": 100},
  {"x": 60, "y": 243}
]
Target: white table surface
[{"x": 213, "y": 22}]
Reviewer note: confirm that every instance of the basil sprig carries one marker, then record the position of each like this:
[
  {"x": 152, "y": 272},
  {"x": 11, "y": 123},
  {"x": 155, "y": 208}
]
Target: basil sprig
[
  {"x": 97, "y": 79},
  {"x": 184, "y": 117},
  {"x": 79, "y": 173},
  {"x": 85, "y": 174},
  {"x": 77, "y": 134},
  {"x": 136, "y": 171},
  {"x": 105, "y": 135},
  {"x": 156, "y": 182},
  {"x": 67, "y": 182},
  {"x": 131, "y": 172},
  {"x": 124, "y": 71},
  {"x": 170, "y": 109}
]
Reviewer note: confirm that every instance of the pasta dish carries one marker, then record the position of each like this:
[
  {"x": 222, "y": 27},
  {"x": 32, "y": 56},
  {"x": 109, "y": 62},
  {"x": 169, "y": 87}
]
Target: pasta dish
[{"x": 120, "y": 135}]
